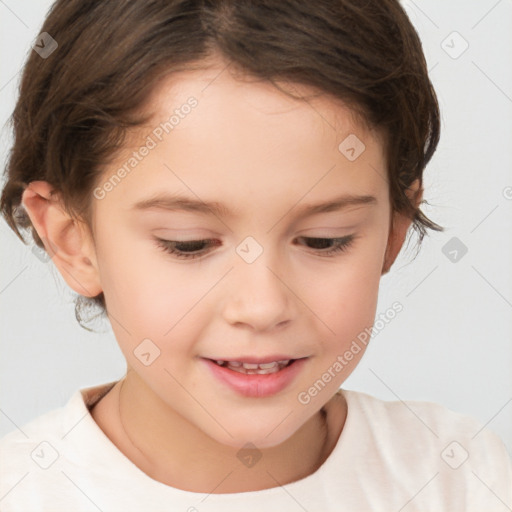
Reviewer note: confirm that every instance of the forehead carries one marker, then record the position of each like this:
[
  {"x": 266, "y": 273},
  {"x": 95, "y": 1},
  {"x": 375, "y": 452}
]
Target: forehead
[
  {"x": 230, "y": 93},
  {"x": 242, "y": 133},
  {"x": 235, "y": 94}
]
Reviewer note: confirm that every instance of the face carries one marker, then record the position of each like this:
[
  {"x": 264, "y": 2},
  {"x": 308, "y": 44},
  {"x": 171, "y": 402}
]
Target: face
[{"x": 259, "y": 275}]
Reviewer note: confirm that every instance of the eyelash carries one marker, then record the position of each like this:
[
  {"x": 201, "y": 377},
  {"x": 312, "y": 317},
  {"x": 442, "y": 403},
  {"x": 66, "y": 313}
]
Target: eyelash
[{"x": 341, "y": 244}]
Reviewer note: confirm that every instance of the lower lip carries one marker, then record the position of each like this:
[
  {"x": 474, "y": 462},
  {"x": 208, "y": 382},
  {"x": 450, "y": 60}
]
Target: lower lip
[{"x": 257, "y": 385}]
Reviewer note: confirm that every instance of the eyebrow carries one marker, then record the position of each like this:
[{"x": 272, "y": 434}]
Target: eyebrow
[{"x": 182, "y": 203}]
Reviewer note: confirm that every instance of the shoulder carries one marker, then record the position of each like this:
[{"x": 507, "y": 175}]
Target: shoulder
[
  {"x": 422, "y": 416},
  {"x": 52, "y": 427},
  {"x": 410, "y": 420},
  {"x": 48, "y": 424},
  {"x": 31, "y": 446},
  {"x": 33, "y": 455},
  {"x": 456, "y": 453}
]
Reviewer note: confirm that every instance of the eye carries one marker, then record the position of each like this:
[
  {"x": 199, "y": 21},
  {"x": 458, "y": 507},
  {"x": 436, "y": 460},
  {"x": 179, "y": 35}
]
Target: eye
[
  {"x": 195, "y": 248},
  {"x": 333, "y": 245},
  {"x": 186, "y": 249}
]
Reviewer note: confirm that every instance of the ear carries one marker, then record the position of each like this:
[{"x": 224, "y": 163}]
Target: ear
[
  {"x": 67, "y": 241},
  {"x": 399, "y": 226}
]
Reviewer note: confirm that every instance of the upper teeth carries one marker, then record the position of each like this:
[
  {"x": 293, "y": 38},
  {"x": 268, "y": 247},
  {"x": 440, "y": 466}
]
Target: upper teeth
[{"x": 254, "y": 366}]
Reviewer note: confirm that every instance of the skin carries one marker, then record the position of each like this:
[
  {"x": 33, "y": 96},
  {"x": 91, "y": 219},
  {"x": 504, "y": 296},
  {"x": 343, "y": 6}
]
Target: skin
[{"x": 264, "y": 155}]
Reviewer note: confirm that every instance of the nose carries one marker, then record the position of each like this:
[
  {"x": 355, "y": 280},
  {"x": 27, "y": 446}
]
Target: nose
[{"x": 258, "y": 297}]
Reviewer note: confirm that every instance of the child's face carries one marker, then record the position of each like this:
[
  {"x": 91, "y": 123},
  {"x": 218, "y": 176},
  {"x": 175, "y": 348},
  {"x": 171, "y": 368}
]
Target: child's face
[{"x": 264, "y": 156}]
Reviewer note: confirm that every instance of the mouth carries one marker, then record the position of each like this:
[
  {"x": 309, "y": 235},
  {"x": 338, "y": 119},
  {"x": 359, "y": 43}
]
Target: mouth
[
  {"x": 256, "y": 380},
  {"x": 255, "y": 368}
]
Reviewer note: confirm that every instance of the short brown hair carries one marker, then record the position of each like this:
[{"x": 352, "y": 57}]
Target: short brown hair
[{"x": 76, "y": 105}]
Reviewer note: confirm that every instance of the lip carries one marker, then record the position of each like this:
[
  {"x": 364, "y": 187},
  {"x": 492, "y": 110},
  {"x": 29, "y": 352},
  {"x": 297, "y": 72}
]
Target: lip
[
  {"x": 257, "y": 386},
  {"x": 256, "y": 360}
]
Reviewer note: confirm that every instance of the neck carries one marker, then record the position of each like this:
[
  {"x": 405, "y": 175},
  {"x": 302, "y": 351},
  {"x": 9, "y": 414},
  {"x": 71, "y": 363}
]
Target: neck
[{"x": 150, "y": 444}]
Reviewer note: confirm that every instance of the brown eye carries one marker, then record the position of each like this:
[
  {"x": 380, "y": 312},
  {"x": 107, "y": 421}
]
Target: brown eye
[
  {"x": 333, "y": 245},
  {"x": 186, "y": 249}
]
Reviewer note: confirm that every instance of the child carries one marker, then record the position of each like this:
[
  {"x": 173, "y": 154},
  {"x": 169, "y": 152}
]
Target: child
[{"x": 229, "y": 181}]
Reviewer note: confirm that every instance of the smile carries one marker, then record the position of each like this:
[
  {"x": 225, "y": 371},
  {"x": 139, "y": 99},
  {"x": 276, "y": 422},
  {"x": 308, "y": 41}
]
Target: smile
[
  {"x": 257, "y": 380},
  {"x": 255, "y": 368}
]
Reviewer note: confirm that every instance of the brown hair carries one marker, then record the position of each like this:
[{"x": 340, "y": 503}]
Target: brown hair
[{"x": 76, "y": 105}]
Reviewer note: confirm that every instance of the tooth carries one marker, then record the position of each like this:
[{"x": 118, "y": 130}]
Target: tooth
[
  {"x": 253, "y": 368},
  {"x": 267, "y": 366},
  {"x": 241, "y": 369},
  {"x": 220, "y": 363},
  {"x": 250, "y": 366}
]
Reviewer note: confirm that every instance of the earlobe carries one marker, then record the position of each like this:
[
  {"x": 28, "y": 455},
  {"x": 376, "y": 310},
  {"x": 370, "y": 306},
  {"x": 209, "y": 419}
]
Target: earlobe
[{"x": 64, "y": 238}]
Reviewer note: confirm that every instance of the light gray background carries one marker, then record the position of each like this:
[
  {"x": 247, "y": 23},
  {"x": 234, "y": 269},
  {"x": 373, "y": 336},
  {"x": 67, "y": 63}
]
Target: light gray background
[{"x": 451, "y": 344}]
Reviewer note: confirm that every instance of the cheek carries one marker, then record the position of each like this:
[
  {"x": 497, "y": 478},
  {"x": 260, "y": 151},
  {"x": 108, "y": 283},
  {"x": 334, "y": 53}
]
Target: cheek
[
  {"x": 346, "y": 298},
  {"x": 145, "y": 295}
]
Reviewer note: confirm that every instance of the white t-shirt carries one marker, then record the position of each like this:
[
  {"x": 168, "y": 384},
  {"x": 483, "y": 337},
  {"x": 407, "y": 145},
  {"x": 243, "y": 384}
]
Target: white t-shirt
[{"x": 391, "y": 456}]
